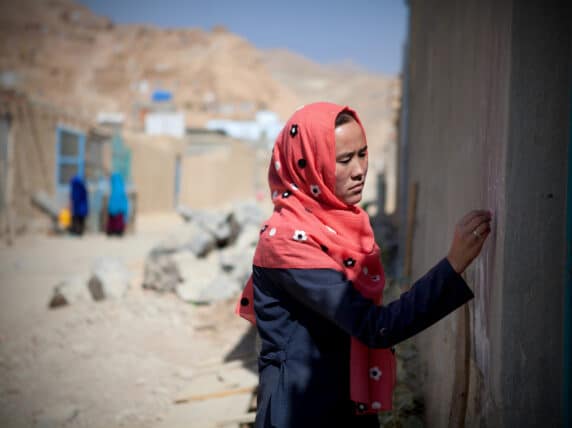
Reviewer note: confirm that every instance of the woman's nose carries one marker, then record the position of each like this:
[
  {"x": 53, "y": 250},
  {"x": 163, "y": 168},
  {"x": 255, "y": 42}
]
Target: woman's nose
[{"x": 359, "y": 169}]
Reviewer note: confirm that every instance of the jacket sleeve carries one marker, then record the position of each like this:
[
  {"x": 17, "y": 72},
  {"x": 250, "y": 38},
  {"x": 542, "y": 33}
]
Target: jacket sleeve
[{"x": 329, "y": 293}]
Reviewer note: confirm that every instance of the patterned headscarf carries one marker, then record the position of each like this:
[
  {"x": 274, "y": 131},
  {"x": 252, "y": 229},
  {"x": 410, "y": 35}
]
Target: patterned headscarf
[{"x": 311, "y": 228}]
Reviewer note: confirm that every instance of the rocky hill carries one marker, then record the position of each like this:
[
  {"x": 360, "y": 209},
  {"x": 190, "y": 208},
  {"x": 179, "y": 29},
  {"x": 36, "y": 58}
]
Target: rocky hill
[{"x": 61, "y": 51}]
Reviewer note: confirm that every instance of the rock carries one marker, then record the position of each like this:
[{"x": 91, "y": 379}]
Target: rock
[
  {"x": 200, "y": 242},
  {"x": 161, "y": 272},
  {"x": 221, "y": 225},
  {"x": 221, "y": 288},
  {"x": 248, "y": 213},
  {"x": 185, "y": 212},
  {"x": 195, "y": 274},
  {"x": 249, "y": 236},
  {"x": 237, "y": 262},
  {"x": 71, "y": 290},
  {"x": 109, "y": 279}
]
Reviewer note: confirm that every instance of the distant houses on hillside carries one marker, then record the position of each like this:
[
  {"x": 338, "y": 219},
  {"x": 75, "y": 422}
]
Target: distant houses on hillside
[{"x": 263, "y": 129}]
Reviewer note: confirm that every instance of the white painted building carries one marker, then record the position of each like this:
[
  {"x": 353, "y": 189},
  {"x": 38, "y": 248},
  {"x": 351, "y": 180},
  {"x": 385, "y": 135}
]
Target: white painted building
[{"x": 265, "y": 127}]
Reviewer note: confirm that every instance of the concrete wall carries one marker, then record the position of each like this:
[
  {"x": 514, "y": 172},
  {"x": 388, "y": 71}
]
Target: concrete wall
[
  {"x": 487, "y": 87},
  {"x": 33, "y": 127},
  {"x": 223, "y": 175},
  {"x": 153, "y": 170}
]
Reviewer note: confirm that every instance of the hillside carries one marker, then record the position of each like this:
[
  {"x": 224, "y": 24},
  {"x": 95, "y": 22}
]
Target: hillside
[{"x": 61, "y": 51}]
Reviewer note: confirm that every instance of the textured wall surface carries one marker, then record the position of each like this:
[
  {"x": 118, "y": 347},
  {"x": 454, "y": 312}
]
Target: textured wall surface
[{"x": 487, "y": 104}]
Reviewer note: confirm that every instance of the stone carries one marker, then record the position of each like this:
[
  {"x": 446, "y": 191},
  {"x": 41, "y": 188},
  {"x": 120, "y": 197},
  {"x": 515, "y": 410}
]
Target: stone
[
  {"x": 221, "y": 288},
  {"x": 221, "y": 225},
  {"x": 160, "y": 273},
  {"x": 109, "y": 279},
  {"x": 248, "y": 237},
  {"x": 196, "y": 274},
  {"x": 237, "y": 262},
  {"x": 185, "y": 212},
  {"x": 72, "y": 290},
  {"x": 201, "y": 242},
  {"x": 248, "y": 213}
]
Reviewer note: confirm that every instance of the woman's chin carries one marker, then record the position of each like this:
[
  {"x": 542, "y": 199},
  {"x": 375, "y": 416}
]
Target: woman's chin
[{"x": 353, "y": 199}]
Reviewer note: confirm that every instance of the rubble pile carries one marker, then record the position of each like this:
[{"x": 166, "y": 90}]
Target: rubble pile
[
  {"x": 209, "y": 257},
  {"x": 108, "y": 279},
  {"x": 206, "y": 259}
]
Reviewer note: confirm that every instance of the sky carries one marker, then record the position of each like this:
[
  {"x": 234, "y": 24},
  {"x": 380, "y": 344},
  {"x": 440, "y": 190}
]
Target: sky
[{"x": 367, "y": 33}]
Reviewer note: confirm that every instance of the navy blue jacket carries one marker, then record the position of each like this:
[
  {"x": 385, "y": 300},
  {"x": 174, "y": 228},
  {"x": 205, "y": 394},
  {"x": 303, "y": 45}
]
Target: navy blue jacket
[{"x": 305, "y": 318}]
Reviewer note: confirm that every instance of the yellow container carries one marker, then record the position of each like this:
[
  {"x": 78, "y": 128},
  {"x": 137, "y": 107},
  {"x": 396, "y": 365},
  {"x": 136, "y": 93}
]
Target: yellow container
[{"x": 64, "y": 218}]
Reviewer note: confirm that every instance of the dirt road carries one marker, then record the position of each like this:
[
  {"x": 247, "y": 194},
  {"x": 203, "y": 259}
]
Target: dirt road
[{"x": 99, "y": 364}]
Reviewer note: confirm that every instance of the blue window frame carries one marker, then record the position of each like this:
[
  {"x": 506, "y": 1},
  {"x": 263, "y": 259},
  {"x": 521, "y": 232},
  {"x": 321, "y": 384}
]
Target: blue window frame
[{"x": 70, "y": 155}]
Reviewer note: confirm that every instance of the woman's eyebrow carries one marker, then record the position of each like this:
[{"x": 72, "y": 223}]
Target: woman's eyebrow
[
  {"x": 341, "y": 155},
  {"x": 345, "y": 154}
]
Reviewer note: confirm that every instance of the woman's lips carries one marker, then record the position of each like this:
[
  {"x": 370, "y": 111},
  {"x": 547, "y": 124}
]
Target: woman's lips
[{"x": 357, "y": 188}]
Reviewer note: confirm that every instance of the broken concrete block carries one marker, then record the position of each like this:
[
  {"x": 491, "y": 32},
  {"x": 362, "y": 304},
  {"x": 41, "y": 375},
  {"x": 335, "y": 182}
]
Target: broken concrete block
[
  {"x": 222, "y": 225},
  {"x": 248, "y": 237},
  {"x": 221, "y": 288},
  {"x": 185, "y": 212},
  {"x": 196, "y": 274},
  {"x": 71, "y": 290},
  {"x": 248, "y": 213},
  {"x": 237, "y": 262},
  {"x": 109, "y": 279},
  {"x": 160, "y": 272},
  {"x": 200, "y": 241}
]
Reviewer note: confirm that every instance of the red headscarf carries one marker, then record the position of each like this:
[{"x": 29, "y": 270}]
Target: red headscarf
[{"x": 312, "y": 228}]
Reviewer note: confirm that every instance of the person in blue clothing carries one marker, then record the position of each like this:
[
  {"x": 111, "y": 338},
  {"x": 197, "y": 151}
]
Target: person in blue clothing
[
  {"x": 79, "y": 205},
  {"x": 315, "y": 293},
  {"x": 118, "y": 206}
]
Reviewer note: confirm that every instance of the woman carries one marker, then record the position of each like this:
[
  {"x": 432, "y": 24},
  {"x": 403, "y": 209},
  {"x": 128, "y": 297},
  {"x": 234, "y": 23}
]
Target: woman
[
  {"x": 79, "y": 205},
  {"x": 317, "y": 282},
  {"x": 118, "y": 206}
]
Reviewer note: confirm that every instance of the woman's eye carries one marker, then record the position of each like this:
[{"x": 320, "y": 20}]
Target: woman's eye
[
  {"x": 362, "y": 154},
  {"x": 344, "y": 161}
]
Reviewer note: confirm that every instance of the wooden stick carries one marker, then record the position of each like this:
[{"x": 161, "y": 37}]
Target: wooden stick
[
  {"x": 217, "y": 394},
  {"x": 247, "y": 418},
  {"x": 411, "y": 210},
  {"x": 9, "y": 189}
]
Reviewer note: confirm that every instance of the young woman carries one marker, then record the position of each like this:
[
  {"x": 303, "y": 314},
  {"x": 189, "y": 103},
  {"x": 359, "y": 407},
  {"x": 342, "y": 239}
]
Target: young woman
[{"x": 317, "y": 282}]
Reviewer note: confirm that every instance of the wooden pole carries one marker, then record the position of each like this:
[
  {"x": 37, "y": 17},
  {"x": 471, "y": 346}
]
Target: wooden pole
[
  {"x": 217, "y": 394},
  {"x": 9, "y": 194},
  {"x": 411, "y": 210}
]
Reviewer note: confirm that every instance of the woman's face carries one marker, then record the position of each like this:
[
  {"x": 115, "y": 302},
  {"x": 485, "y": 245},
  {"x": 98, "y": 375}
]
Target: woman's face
[{"x": 351, "y": 162}]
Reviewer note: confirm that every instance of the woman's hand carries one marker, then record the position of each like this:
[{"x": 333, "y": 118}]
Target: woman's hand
[{"x": 470, "y": 235}]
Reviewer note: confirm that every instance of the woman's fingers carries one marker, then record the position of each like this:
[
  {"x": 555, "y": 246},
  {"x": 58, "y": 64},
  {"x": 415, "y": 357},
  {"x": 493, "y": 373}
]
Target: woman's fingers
[
  {"x": 477, "y": 222},
  {"x": 469, "y": 238},
  {"x": 482, "y": 230},
  {"x": 471, "y": 215}
]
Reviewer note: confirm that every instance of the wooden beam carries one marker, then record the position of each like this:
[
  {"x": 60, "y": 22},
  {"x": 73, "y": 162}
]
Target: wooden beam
[
  {"x": 217, "y": 394},
  {"x": 410, "y": 228}
]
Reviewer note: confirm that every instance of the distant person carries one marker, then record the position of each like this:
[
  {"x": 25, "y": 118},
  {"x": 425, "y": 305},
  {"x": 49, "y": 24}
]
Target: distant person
[
  {"x": 315, "y": 294},
  {"x": 118, "y": 206},
  {"x": 79, "y": 205}
]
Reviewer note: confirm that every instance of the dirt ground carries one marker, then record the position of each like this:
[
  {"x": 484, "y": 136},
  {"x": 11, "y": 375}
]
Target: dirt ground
[{"x": 117, "y": 363}]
